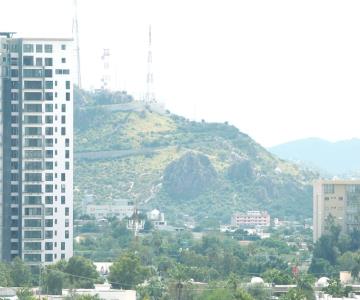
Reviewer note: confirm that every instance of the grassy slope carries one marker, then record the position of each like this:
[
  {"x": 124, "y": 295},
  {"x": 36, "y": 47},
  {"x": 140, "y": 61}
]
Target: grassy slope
[{"x": 278, "y": 187}]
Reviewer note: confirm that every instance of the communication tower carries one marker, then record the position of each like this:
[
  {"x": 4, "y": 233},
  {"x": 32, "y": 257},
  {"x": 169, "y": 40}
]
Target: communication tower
[
  {"x": 106, "y": 69},
  {"x": 150, "y": 95},
  {"x": 75, "y": 33}
]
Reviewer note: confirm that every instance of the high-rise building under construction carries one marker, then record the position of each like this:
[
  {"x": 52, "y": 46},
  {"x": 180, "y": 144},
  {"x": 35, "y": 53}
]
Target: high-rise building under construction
[{"x": 36, "y": 148}]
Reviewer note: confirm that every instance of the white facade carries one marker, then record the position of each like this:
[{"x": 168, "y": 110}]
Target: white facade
[
  {"x": 119, "y": 208},
  {"x": 38, "y": 138},
  {"x": 250, "y": 219}
]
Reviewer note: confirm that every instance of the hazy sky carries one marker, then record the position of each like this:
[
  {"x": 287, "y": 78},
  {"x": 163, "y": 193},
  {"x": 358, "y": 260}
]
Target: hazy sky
[{"x": 278, "y": 70}]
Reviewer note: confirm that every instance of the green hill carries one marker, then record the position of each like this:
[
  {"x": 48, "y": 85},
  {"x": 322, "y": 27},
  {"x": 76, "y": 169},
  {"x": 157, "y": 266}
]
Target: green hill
[{"x": 205, "y": 171}]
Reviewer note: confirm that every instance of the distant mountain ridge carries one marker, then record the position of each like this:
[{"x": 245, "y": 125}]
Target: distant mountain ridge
[{"x": 335, "y": 158}]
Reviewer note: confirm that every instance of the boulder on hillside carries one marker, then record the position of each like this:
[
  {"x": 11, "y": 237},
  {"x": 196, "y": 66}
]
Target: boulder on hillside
[
  {"x": 240, "y": 170},
  {"x": 189, "y": 176}
]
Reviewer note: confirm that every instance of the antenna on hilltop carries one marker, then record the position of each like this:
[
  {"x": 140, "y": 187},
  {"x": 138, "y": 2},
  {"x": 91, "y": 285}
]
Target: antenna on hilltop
[
  {"x": 75, "y": 33},
  {"x": 150, "y": 95},
  {"x": 106, "y": 69}
]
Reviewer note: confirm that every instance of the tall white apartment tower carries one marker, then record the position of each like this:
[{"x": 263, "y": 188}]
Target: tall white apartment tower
[{"x": 36, "y": 148}]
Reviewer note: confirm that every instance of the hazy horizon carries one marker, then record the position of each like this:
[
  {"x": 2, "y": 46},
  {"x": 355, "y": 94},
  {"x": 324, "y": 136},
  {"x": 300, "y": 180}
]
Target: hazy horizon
[{"x": 279, "y": 70}]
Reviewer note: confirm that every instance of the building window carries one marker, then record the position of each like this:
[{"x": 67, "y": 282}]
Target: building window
[
  {"x": 63, "y": 47},
  {"x": 33, "y": 84},
  {"x": 33, "y": 188},
  {"x": 63, "y": 60},
  {"x": 39, "y": 48},
  {"x": 48, "y": 257},
  {"x": 36, "y": 73},
  {"x": 329, "y": 188},
  {"x": 49, "y": 119},
  {"x": 66, "y": 234},
  {"x": 39, "y": 61},
  {"x": 49, "y": 96},
  {"x": 49, "y": 234},
  {"x": 33, "y": 96},
  {"x": 48, "y": 48},
  {"x": 33, "y": 211},
  {"x": 48, "y": 73},
  {"x": 32, "y": 234},
  {"x": 49, "y": 165},
  {"x": 28, "y": 48},
  {"x": 48, "y": 61},
  {"x": 49, "y": 188},
  {"x": 49, "y": 108},
  {"x": 63, "y": 107},
  {"x": 67, "y": 96},
  {"x": 32, "y": 200},
  {"x": 32, "y": 257},
  {"x": 63, "y": 131},
  {"x": 67, "y": 85},
  {"x": 32, "y": 223},
  {"x": 33, "y": 177},
  {"x": 49, "y": 85},
  {"x": 48, "y": 199},
  {"x": 49, "y": 211},
  {"x": 67, "y": 142},
  {"x": 62, "y": 176},
  {"x": 49, "y": 246},
  {"x": 62, "y": 199},
  {"x": 67, "y": 211},
  {"x": 28, "y": 60},
  {"x": 49, "y": 223}
]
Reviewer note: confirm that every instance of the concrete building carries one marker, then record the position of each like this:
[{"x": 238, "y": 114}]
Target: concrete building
[
  {"x": 118, "y": 208},
  {"x": 36, "y": 127},
  {"x": 250, "y": 219},
  {"x": 339, "y": 199},
  {"x": 157, "y": 218}
]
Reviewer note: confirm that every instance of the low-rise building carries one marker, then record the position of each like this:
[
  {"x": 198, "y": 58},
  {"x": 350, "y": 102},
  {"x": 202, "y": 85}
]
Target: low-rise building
[
  {"x": 250, "y": 219},
  {"x": 118, "y": 208},
  {"x": 157, "y": 218}
]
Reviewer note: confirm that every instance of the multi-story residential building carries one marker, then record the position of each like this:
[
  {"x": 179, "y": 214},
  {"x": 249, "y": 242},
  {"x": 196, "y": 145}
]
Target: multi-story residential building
[
  {"x": 250, "y": 219},
  {"x": 36, "y": 125},
  {"x": 339, "y": 199}
]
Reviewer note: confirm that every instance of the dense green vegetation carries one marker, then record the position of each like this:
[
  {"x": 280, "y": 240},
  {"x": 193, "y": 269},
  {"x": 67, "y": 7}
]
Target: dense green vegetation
[
  {"x": 139, "y": 154},
  {"x": 335, "y": 252}
]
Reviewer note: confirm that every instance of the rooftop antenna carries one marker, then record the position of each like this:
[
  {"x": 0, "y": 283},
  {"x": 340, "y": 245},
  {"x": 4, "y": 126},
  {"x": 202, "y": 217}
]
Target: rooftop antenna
[
  {"x": 150, "y": 95},
  {"x": 106, "y": 65},
  {"x": 75, "y": 33}
]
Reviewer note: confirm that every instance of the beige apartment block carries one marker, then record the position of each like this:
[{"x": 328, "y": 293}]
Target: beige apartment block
[{"x": 338, "y": 198}]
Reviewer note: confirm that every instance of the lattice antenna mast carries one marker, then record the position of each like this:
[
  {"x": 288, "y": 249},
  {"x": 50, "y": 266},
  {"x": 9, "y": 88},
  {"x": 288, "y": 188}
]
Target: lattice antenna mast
[
  {"x": 75, "y": 33},
  {"x": 106, "y": 69},
  {"x": 150, "y": 95}
]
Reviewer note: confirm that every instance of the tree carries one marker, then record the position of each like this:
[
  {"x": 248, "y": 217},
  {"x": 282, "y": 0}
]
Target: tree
[
  {"x": 127, "y": 272},
  {"x": 336, "y": 289},
  {"x": 81, "y": 272},
  {"x": 216, "y": 294},
  {"x": 294, "y": 294},
  {"x": 258, "y": 291},
  {"x": 5, "y": 276},
  {"x": 356, "y": 267},
  {"x": 52, "y": 281},
  {"x": 25, "y": 294},
  {"x": 20, "y": 273},
  {"x": 240, "y": 294},
  {"x": 276, "y": 276},
  {"x": 179, "y": 274}
]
